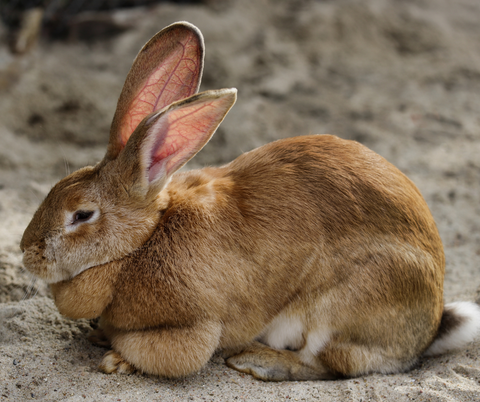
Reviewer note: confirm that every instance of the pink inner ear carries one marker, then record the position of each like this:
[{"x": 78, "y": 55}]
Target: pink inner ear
[
  {"x": 174, "y": 79},
  {"x": 181, "y": 132}
]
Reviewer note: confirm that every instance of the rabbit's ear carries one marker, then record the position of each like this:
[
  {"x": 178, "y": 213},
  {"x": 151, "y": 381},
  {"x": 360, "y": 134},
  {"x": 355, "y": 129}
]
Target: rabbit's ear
[
  {"x": 168, "y": 68},
  {"x": 165, "y": 141}
]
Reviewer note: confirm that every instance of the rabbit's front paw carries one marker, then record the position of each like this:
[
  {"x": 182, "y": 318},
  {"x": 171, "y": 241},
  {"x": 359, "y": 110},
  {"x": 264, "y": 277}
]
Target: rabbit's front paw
[{"x": 114, "y": 363}]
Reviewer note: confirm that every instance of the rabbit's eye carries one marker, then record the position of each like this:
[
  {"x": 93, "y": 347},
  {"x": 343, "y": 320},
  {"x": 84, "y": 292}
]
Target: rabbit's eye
[{"x": 82, "y": 216}]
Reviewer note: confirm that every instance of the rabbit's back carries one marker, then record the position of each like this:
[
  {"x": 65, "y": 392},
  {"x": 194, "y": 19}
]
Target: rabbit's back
[{"x": 332, "y": 188}]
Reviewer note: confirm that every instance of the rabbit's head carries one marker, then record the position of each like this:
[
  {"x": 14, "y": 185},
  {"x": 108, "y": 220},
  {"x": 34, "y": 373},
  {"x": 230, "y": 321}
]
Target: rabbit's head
[{"x": 102, "y": 213}]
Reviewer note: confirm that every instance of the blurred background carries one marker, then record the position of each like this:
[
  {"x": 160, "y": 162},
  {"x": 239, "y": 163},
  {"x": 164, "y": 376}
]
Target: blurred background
[{"x": 400, "y": 76}]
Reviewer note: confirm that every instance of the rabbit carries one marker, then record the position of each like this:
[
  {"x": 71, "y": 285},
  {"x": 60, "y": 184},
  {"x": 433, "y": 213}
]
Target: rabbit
[{"x": 309, "y": 258}]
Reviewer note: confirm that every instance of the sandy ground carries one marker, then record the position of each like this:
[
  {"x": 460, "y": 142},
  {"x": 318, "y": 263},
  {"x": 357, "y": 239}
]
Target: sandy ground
[{"x": 402, "y": 77}]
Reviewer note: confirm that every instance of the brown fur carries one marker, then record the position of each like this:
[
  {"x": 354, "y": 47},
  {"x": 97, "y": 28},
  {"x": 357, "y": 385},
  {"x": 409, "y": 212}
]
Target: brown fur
[
  {"x": 315, "y": 231},
  {"x": 278, "y": 233}
]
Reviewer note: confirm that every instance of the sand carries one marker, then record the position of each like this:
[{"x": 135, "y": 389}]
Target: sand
[{"x": 402, "y": 77}]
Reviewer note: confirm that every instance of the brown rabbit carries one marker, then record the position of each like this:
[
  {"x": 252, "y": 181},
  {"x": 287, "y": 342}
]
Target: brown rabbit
[{"x": 308, "y": 258}]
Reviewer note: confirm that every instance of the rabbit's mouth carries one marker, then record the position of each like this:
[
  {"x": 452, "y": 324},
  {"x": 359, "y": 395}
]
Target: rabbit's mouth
[
  {"x": 38, "y": 264},
  {"x": 40, "y": 259},
  {"x": 49, "y": 269}
]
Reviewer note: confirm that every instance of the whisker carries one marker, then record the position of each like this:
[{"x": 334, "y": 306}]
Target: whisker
[
  {"x": 67, "y": 166},
  {"x": 30, "y": 287},
  {"x": 65, "y": 161},
  {"x": 27, "y": 291}
]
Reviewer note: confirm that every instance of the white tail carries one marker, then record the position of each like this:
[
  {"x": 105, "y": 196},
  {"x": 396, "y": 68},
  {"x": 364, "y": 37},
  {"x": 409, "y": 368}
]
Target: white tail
[{"x": 460, "y": 326}]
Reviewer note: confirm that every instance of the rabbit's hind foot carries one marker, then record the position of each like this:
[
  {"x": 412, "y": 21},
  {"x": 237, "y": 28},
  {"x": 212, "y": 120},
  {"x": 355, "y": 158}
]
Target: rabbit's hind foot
[
  {"x": 112, "y": 362},
  {"x": 269, "y": 364}
]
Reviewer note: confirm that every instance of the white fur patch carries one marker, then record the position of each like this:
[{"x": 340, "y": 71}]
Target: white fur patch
[
  {"x": 460, "y": 336},
  {"x": 284, "y": 332}
]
